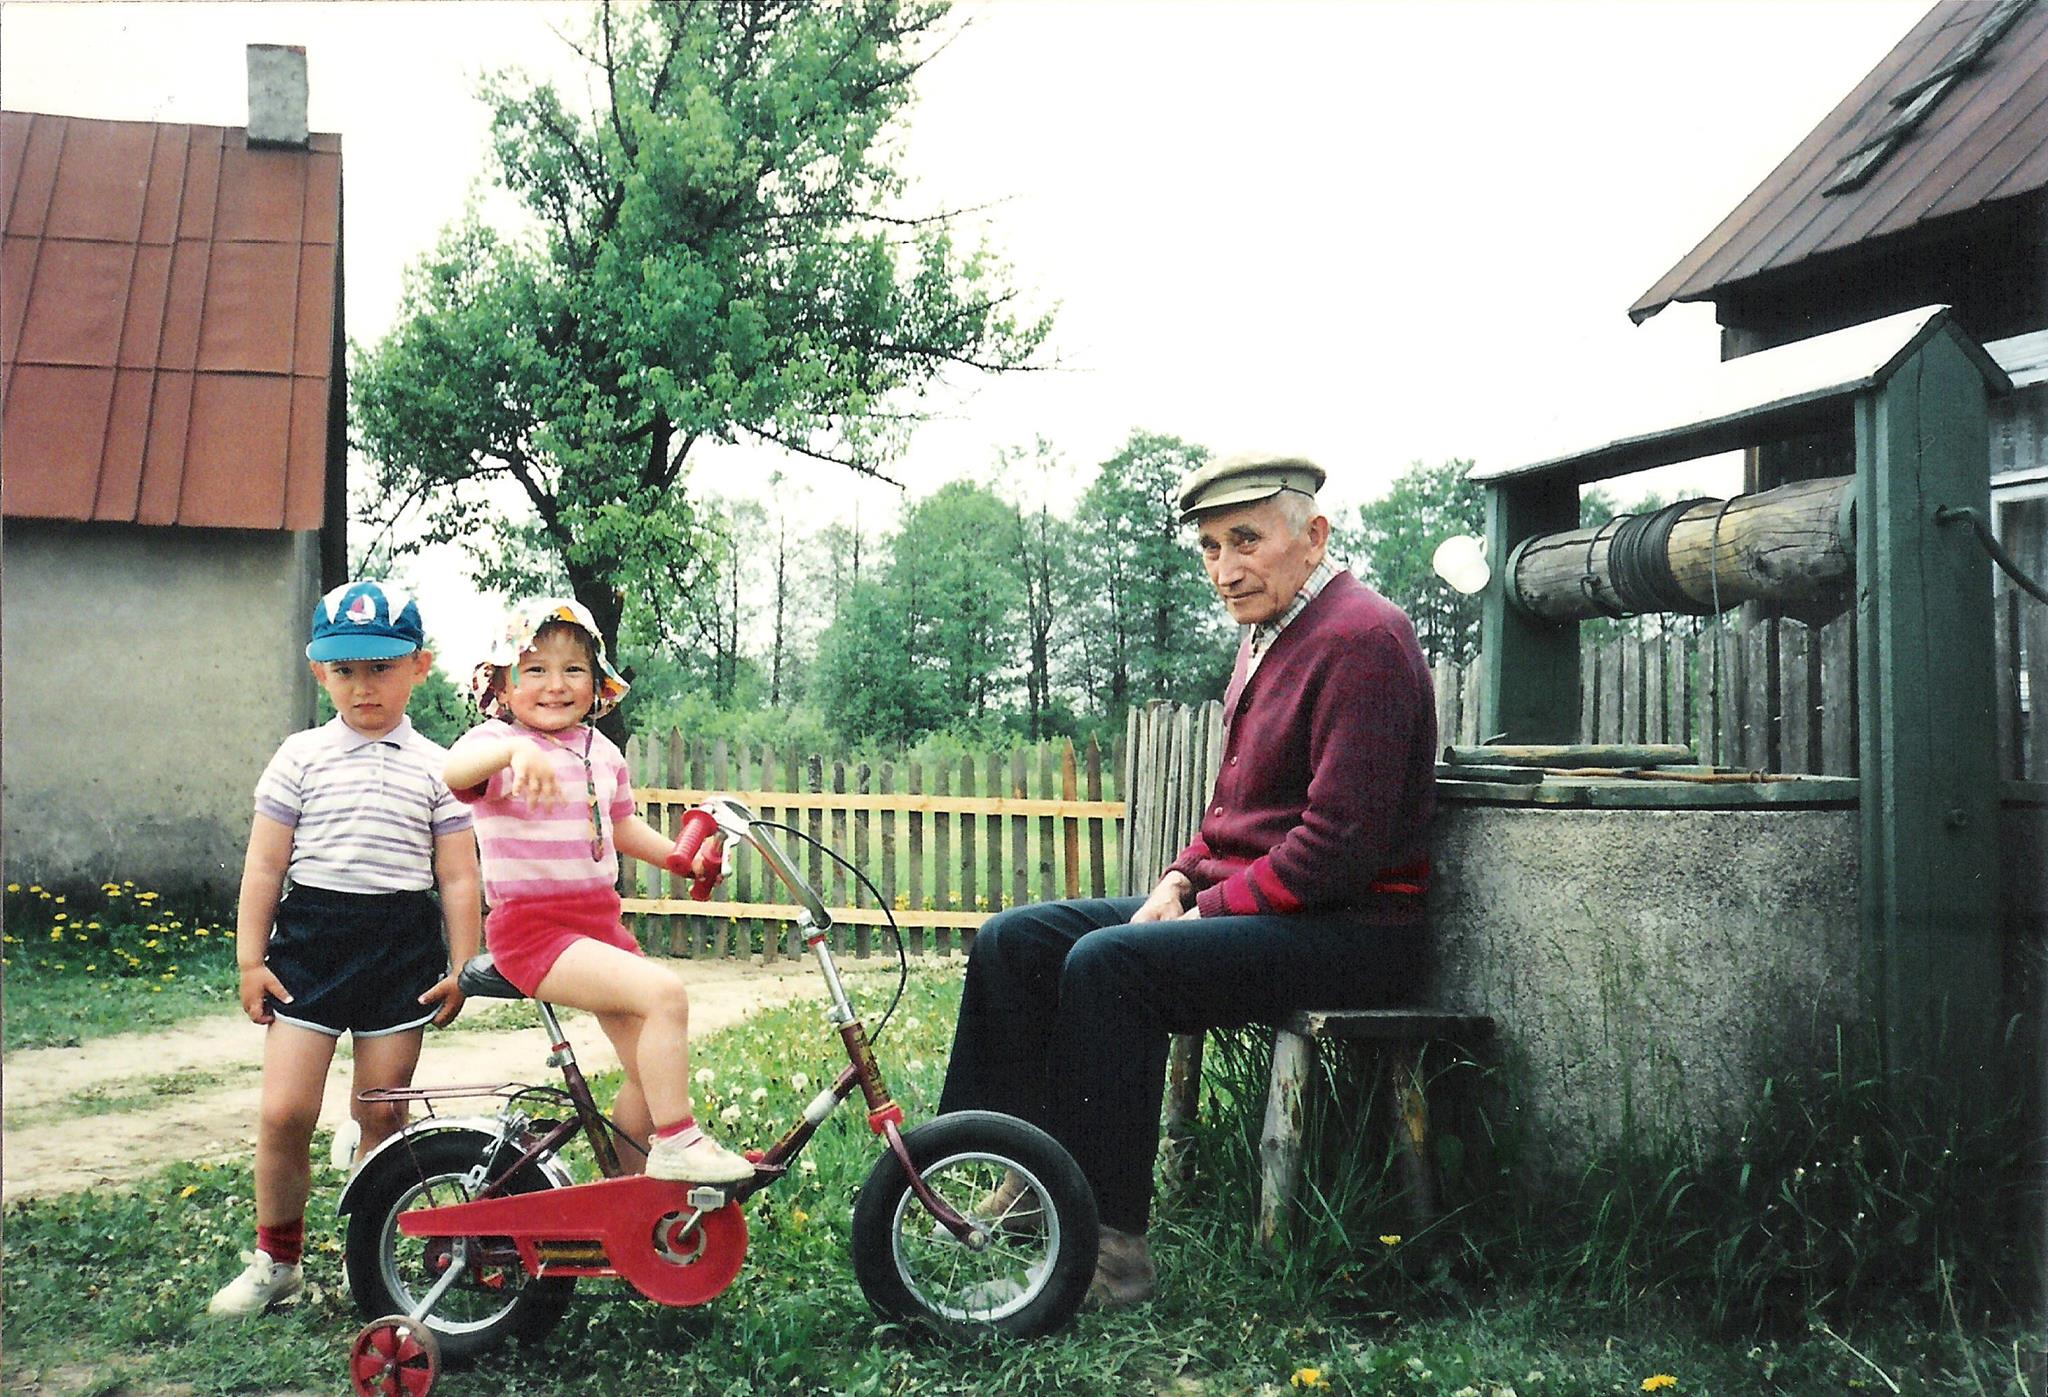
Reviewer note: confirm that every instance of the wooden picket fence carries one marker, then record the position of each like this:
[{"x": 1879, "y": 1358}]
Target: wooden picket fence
[
  {"x": 1774, "y": 695},
  {"x": 946, "y": 844}
]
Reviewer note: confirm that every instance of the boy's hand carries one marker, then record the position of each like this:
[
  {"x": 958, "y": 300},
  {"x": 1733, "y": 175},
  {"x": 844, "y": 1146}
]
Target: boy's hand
[
  {"x": 448, "y": 994},
  {"x": 257, "y": 982},
  {"x": 533, "y": 776}
]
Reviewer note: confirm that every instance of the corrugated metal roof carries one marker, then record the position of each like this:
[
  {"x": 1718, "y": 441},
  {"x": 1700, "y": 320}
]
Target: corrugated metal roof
[
  {"x": 1979, "y": 134},
  {"x": 168, "y": 303}
]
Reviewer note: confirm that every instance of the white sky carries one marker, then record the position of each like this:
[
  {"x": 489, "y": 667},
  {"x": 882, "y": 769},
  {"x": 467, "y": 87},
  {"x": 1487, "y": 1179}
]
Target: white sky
[{"x": 1375, "y": 231}]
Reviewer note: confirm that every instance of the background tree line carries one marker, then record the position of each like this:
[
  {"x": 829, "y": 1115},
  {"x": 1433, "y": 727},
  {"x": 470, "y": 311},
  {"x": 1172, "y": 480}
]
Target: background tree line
[{"x": 713, "y": 244}]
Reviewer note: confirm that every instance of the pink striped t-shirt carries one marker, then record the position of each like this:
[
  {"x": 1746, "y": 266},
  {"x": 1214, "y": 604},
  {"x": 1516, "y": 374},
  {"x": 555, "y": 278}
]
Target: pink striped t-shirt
[{"x": 531, "y": 851}]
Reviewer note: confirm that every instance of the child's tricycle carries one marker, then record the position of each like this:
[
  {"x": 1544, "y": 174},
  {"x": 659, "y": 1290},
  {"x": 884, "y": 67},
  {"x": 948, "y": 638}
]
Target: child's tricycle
[{"x": 466, "y": 1230}]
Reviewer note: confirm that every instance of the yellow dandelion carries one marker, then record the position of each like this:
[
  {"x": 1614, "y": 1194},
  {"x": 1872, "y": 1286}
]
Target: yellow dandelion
[
  {"x": 127, "y": 882},
  {"x": 188, "y": 1190},
  {"x": 1390, "y": 1239},
  {"x": 156, "y": 989},
  {"x": 1308, "y": 1377},
  {"x": 56, "y": 933},
  {"x": 37, "y": 888},
  {"x": 1657, "y": 1382},
  {"x": 798, "y": 1217},
  {"x": 14, "y": 887},
  {"x": 90, "y": 968},
  {"x": 59, "y": 898},
  {"x": 202, "y": 932}
]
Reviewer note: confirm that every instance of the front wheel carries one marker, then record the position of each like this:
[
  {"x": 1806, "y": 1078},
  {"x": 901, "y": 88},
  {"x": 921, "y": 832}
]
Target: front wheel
[
  {"x": 1034, "y": 1214},
  {"x": 389, "y": 1273}
]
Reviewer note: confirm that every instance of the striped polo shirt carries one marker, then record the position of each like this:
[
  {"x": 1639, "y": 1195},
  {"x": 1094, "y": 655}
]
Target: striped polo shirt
[
  {"x": 363, "y": 811},
  {"x": 545, "y": 851}
]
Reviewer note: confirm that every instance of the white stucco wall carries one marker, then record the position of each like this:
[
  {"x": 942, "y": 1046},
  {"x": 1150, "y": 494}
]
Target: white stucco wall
[{"x": 146, "y": 675}]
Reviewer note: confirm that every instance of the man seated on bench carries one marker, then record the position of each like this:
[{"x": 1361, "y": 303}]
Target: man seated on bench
[{"x": 1303, "y": 889}]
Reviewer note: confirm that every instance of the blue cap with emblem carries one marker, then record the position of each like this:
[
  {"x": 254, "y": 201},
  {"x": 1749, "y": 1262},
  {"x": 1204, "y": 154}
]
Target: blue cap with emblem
[{"x": 365, "y": 621}]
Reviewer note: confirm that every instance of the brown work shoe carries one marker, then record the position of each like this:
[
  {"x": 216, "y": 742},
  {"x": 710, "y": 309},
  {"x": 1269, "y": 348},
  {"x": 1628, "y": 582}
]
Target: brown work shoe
[
  {"x": 1011, "y": 1208},
  {"x": 1124, "y": 1273}
]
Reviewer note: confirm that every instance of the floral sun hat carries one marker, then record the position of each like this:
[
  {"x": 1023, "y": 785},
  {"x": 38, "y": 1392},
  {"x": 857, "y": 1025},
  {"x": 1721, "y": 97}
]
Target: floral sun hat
[{"x": 521, "y": 628}]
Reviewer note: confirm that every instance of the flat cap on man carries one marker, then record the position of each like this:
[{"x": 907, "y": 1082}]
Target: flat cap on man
[{"x": 1246, "y": 478}]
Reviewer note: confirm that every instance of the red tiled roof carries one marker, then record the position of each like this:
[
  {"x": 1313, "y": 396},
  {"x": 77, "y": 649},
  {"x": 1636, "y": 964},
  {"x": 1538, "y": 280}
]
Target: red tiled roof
[
  {"x": 168, "y": 316},
  {"x": 1971, "y": 139}
]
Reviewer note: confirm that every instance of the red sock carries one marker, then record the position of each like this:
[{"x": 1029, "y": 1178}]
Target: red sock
[
  {"x": 687, "y": 1123},
  {"x": 284, "y": 1241}
]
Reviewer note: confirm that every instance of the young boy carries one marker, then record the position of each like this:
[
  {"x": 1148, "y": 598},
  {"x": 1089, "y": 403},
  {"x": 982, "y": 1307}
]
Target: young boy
[{"x": 355, "y": 816}]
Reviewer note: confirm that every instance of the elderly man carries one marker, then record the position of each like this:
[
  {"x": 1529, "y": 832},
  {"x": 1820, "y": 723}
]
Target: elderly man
[{"x": 1303, "y": 888}]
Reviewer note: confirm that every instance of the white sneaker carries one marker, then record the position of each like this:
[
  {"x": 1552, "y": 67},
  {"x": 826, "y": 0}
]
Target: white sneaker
[
  {"x": 347, "y": 1136},
  {"x": 264, "y": 1284},
  {"x": 702, "y": 1161}
]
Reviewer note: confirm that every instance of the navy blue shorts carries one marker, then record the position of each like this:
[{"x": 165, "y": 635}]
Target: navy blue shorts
[{"x": 356, "y": 962}]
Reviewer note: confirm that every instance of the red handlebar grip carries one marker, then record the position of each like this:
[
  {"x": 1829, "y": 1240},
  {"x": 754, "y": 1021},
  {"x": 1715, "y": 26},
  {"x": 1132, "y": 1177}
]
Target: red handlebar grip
[
  {"x": 700, "y": 889},
  {"x": 697, "y": 827}
]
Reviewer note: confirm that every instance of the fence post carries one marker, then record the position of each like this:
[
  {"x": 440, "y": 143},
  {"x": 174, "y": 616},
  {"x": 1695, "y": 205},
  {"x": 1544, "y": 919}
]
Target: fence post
[{"x": 1098, "y": 878}]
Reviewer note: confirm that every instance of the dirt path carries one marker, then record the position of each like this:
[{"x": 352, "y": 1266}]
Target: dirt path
[{"x": 190, "y": 1093}]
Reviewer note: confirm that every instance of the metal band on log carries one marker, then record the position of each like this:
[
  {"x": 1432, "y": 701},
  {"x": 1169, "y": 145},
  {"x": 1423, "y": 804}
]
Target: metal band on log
[{"x": 1787, "y": 547}]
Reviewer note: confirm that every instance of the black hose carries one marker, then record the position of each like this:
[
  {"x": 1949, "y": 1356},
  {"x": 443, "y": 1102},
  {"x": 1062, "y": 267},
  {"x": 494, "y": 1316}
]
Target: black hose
[{"x": 1950, "y": 514}]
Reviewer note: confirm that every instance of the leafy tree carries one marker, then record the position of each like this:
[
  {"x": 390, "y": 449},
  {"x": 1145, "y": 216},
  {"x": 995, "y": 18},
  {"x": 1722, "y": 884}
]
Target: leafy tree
[
  {"x": 1390, "y": 541},
  {"x": 1044, "y": 543},
  {"x": 953, "y": 569},
  {"x": 1148, "y": 621},
  {"x": 867, "y": 679},
  {"x": 712, "y": 256}
]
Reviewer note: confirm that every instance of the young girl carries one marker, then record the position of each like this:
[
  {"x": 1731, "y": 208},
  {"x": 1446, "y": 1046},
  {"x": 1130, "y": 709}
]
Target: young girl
[{"x": 554, "y": 809}]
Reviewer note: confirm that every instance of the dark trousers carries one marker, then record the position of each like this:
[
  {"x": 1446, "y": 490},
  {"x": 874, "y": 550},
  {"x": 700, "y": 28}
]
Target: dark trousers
[{"x": 1068, "y": 1010}]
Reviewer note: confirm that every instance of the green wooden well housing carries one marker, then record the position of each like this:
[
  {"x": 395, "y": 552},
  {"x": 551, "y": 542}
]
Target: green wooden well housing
[{"x": 1912, "y": 390}]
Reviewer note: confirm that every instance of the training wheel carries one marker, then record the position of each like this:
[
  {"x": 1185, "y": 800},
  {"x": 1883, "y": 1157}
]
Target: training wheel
[{"x": 393, "y": 1357}]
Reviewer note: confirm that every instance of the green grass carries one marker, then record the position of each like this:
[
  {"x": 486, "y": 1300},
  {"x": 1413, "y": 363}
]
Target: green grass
[
  {"x": 113, "y": 1283},
  {"x": 84, "y": 964}
]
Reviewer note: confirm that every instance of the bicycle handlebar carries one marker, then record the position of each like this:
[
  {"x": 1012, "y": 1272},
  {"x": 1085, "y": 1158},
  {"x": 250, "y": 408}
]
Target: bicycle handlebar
[{"x": 738, "y": 822}]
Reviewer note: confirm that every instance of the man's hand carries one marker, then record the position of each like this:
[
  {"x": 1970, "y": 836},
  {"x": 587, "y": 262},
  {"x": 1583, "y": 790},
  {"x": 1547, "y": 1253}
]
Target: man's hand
[
  {"x": 1168, "y": 900},
  {"x": 448, "y": 995},
  {"x": 258, "y": 981}
]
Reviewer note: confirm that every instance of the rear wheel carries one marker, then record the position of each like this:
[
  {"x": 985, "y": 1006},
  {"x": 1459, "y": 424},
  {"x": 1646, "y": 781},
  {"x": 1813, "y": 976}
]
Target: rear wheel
[
  {"x": 1028, "y": 1268},
  {"x": 389, "y": 1273}
]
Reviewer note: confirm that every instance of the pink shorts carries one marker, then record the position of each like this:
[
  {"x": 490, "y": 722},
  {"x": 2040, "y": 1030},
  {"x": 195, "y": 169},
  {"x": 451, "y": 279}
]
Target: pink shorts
[{"x": 527, "y": 935}]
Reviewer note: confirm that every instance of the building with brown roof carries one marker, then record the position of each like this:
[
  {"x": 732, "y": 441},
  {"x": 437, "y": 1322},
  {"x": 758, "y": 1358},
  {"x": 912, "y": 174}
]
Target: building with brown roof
[
  {"x": 1927, "y": 184},
  {"x": 172, "y": 474}
]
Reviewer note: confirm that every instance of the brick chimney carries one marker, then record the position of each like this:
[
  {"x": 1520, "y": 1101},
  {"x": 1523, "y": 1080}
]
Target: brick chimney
[{"x": 277, "y": 96}]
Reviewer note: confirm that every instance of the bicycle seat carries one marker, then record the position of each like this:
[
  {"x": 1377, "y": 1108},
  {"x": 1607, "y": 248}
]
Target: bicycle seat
[{"x": 480, "y": 980}]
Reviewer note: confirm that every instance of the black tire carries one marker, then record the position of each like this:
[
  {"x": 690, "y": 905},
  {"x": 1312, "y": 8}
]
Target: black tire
[
  {"x": 388, "y": 1272},
  {"x": 1027, "y": 1281}
]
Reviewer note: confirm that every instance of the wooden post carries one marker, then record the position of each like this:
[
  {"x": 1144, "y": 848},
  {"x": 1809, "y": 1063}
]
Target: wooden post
[
  {"x": 1280, "y": 1140},
  {"x": 1529, "y": 687},
  {"x": 1098, "y": 874},
  {"x": 1929, "y": 776},
  {"x": 723, "y": 934},
  {"x": 1183, "y": 1104},
  {"x": 1070, "y": 828}
]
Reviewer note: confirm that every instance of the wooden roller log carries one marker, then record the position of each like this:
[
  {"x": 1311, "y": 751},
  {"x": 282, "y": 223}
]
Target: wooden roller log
[{"x": 1785, "y": 547}]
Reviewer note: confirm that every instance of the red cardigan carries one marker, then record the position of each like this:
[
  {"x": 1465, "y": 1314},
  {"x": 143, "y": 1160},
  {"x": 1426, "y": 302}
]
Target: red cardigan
[{"x": 1328, "y": 782}]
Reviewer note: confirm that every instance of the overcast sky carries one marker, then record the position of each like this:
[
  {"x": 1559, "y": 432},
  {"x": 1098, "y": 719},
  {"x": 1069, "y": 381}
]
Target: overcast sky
[{"x": 1376, "y": 231}]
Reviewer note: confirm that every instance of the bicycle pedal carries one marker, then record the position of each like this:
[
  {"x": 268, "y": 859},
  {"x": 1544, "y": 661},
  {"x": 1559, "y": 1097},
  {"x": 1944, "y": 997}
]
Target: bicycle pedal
[{"x": 705, "y": 1199}]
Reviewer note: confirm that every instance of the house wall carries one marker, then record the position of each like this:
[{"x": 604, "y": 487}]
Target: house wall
[{"x": 146, "y": 676}]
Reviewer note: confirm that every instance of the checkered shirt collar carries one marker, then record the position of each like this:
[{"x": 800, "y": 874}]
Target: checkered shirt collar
[{"x": 1266, "y": 632}]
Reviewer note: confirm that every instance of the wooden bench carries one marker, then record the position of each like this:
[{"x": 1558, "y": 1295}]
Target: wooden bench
[{"x": 1404, "y": 1033}]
